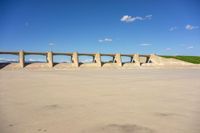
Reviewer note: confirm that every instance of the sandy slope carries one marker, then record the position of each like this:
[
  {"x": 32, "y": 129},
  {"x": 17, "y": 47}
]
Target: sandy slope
[{"x": 100, "y": 101}]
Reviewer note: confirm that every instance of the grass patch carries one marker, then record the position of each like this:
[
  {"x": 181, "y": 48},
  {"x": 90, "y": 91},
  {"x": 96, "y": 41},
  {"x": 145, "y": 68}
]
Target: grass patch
[{"x": 191, "y": 59}]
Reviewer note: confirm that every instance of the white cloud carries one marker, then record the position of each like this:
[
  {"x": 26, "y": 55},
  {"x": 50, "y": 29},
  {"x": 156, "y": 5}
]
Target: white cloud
[
  {"x": 36, "y": 60},
  {"x": 172, "y": 28},
  {"x": 190, "y": 47},
  {"x": 105, "y": 40},
  {"x": 145, "y": 44},
  {"x": 7, "y": 60},
  {"x": 191, "y": 27},
  {"x": 108, "y": 39},
  {"x": 51, "y": 44},
  {"x": 148, "y": 16},
  {"x": 100, "y": 40},
  {"x": 128, "y": 19},
  {"x": 87, "y": 60},
  {"x": 31, "y": 59},
  {"x": 168, "y": 49}
]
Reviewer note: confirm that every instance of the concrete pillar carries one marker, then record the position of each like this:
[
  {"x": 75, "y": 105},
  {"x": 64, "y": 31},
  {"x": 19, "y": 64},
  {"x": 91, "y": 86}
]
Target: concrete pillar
[
  {"x": 131, "y": 61},
  {"x": 113, "y": 59},
  {"x": 50, "y": 59},
  {"x": 75, "y": 60},
  {"x": 118, "y": 59},
  {"x": 136, "y": 58},
  {"x": 21, "y": 59},
  {"x": 97, "y": 59}
]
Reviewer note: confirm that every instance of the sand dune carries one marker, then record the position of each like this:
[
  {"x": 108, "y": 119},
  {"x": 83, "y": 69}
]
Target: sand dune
[{"x": 100, "y": 101}]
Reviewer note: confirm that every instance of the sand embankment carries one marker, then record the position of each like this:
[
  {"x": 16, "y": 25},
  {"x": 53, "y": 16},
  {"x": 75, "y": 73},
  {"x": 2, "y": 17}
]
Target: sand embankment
[{"x": 100, "y": 101}]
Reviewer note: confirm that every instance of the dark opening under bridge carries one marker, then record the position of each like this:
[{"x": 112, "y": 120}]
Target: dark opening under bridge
[{"x": 96, "y": 58}]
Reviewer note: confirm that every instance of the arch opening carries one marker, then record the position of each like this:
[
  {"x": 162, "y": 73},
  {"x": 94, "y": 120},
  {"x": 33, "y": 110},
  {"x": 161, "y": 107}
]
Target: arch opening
[
  {"x": 31, "y": 58},
  {"x": 107, "y": 59},
  {"x": 86, "y": 59},
  {"x": 7, "y": 59},
  {"x": 62, "y": 59},
  {"x": 126, "y": 59}
]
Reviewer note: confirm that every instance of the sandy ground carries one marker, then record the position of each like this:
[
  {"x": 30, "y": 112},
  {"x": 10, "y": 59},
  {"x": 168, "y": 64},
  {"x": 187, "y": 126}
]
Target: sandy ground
[{"x": 100, "y": 101}]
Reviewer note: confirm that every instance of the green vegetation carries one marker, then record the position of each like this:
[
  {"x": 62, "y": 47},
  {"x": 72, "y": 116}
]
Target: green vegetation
[{"x": 191, "y": 59}]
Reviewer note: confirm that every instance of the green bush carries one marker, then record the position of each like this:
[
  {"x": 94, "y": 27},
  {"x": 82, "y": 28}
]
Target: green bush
[{"x": 191, "y": 59}]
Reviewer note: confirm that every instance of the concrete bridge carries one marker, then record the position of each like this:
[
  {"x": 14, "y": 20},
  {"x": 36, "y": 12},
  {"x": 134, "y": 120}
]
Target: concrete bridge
[{"x": 135, "y": 59}]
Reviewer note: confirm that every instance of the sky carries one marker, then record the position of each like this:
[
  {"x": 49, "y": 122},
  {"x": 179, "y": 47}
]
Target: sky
[{"x": 165, "y": 27}]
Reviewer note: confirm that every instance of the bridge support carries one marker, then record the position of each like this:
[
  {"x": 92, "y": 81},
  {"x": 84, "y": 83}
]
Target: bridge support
[
  {"x": 75, "y": 60},
  {"x": 21, "y": 59},
  {"x": 118, "y": 59},
  {"x": 50, "y": 59},
  {"x": 97, "y": 59},
  {"x": 136, "y": 59}
]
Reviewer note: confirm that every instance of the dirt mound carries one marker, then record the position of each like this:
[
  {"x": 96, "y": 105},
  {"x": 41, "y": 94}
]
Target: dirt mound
[{"x": 161, "y": 61}]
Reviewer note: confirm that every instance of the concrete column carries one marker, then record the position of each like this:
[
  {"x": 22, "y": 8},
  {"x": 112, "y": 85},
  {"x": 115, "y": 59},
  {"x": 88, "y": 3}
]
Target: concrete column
[
  {"x": 75, "y": 60},
  {"x": 136, "y": 58},
  {"x": 131, "y": 61},
  {"x": 21, "y": 59},
  {"x": 113, "y": 59},
  {"x": 118, "y": 59},
  {"x": 97, "y": 59},
  {"x": 50, "y": 59}
]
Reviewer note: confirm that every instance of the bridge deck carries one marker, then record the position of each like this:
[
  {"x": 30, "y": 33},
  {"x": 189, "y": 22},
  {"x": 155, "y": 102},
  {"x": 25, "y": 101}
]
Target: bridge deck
[
  {"x": 68, "y": 53},
  {"x": 14, "y": 53}
]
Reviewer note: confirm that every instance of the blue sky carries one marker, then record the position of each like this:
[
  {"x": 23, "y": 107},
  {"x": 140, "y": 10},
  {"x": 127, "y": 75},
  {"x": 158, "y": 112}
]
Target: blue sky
[{"x": 165, "y": 27}]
